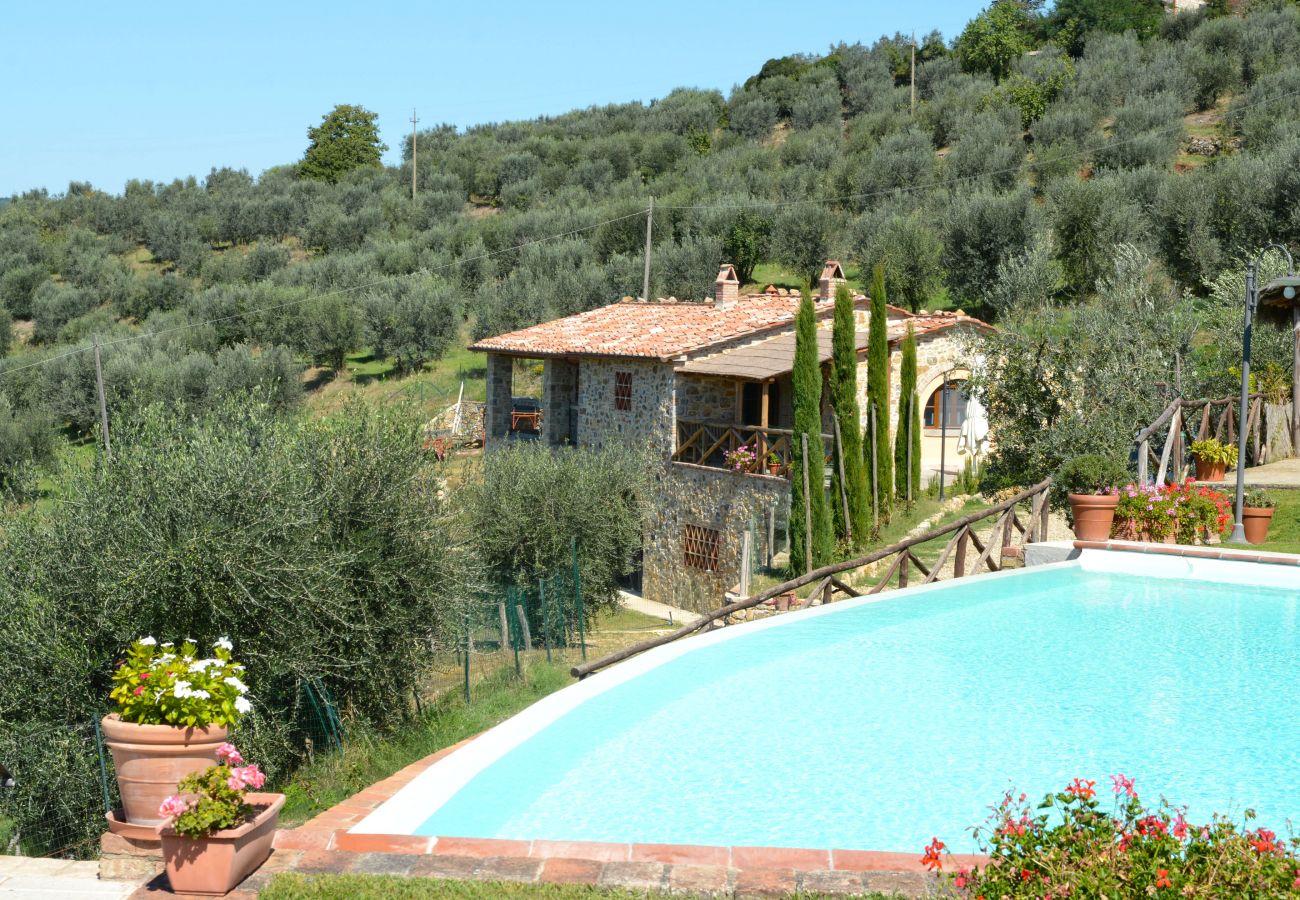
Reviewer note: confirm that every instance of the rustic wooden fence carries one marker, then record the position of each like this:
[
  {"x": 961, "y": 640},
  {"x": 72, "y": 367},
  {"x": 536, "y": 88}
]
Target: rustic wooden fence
[
  {"x": 1007, "y": 527},
  {"x": 1210, "y": 417},
  {"x": 705, "y": 443}
]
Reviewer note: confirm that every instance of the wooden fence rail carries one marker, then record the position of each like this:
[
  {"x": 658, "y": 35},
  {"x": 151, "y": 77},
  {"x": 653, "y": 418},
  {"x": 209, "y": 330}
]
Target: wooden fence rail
[
  {"x": 706, "y": 443},
  {"x": 1182, "y": 415},
  {"x": 963, "y": 539}
]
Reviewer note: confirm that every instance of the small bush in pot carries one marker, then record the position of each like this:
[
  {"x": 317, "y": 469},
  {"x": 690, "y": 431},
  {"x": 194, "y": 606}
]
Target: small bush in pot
[
  {"x": 215, "y": 832},
  {"x": 1213, "y": 458},
  {"x": 1257, "y": 515},
  {"x": 173, "y": 709},
  {"x": 1088, "y": 487}
]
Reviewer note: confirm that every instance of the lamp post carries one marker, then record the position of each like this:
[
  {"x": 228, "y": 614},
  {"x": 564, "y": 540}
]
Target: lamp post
[
  {"x": 943, "y": 428},
  {"x": 1252, "y": 303}
]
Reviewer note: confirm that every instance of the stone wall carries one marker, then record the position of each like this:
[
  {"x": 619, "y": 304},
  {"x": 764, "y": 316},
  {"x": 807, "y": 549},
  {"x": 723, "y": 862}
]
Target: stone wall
[
  {"x": 712, "y": 498},
  {"x": 704, "y": 399},
  {"x": 559, "y": 401},
  {"x": 500, "y": 388},
  {"x": 649, "y": 422}
]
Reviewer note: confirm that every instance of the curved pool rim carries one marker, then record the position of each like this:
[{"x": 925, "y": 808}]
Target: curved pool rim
[{"x": 413, "y": 804}]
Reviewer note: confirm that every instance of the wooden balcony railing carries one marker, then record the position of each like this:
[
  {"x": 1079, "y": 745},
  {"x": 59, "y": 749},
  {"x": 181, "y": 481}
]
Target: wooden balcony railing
[{"x": 707, "y": 443}]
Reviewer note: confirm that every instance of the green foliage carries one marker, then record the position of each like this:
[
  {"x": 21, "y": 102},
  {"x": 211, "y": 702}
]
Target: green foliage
[
  {"x": 530, "y": 505},
  {"x": 213, "y": 799},
  {"x": 808, "y": 510},
  {"x": 1077, "y": 17},
  {"x": 801, "y": 241},
  {"x": 995, "y": 38},
  {"x": 331, "y": 328},
  {"x": 907, "y": 441},
  {"x": 320, "y": 546},
  {"x": 347, "y": 138},
  {"x": 844, "y": 397},
  {"x": 1089, "y": 473},
  {"x": 880, "y": 477},
  {"x": 911, "y": 252},
  {"x": 746, "y": 242},
  {"x": 1260, "y": 499},
  {"x": 412, "y": 320},
  {"x": 1032, "y": 96},
  {"x": 27, "y": 443},
  {"x": 1214, "y": 452}
]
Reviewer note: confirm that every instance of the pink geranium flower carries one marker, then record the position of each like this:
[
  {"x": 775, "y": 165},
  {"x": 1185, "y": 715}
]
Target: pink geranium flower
[
  {"x": 229, "y": 755},
  {"x": 172, "y": 807},
  {"x": 251, "y": 776}
]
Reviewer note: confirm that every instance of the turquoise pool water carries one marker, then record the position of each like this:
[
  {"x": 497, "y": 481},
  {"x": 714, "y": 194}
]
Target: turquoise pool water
[{"x": 881, "y": 725}]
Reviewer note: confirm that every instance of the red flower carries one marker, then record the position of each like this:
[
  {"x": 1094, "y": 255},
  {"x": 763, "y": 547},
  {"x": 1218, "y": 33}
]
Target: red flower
[
  {"x": 931, "y": 858},
  {"x": 144, "y": 675},
  {"x": 1264, "y": 841},
  {"x": 963, "y": 878},
  {"x": 1025, "y": 874},
  {"x": 1082, "y": 789},
  {"x": 139, "y": 690},
  {"x": 1151, "y": 825},
  {"x": 1162, "y": 878}
]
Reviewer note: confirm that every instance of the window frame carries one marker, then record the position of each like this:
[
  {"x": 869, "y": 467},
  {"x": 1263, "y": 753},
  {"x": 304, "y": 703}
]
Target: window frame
[
  {"x": 702, "y": 548},
  {"x": 622, "y": 391},
  {"x": 932, "y": 411}
]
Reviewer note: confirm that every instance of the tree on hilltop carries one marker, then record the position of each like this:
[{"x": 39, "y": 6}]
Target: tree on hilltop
[{"x": 346, "y": 139}]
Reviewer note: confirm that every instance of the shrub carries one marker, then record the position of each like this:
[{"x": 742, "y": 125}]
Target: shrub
[
  {"x": 1214, "y": 452},
  {"x": 1071, "y": 846},
  {"x": 1090, "y": 473},
  {"x": 213, "y": 800},
  {"x": 529, "y": 506},
  {"x": 1260, "y": 499}
]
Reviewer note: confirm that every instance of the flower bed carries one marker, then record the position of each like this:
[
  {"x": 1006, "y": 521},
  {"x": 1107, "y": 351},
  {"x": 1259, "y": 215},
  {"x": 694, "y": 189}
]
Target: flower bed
[
  {"x": 1182, "y": 513},
  {"x": 1069, "y": 846}
]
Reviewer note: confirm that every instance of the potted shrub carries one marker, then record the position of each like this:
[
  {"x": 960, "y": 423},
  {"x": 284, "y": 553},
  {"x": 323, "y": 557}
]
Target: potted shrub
[
  {"x": 216, "y": 832},
  {"x": 1213, "y": 458},
  {"x": 1257, "y": 515},
  {"x": 173, "y": 709},
  {"x": 1091, "y": 484},
  {"x": 773, "y": 463}
]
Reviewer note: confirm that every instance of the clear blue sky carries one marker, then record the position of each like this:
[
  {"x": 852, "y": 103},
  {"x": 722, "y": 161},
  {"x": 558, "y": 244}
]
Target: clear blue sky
[{"x": 103, "y": 92}]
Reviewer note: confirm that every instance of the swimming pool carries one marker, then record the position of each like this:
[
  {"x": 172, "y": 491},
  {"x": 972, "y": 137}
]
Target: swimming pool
[{"x": 877, "y": 723}]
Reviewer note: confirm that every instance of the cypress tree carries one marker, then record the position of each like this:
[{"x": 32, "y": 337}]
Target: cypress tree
[
  {"x": 878, "y": 397},
  {"x": 807, "y": 377},
  {"x": 909, "y": 422},
  {"x": 844, "y": 396}
]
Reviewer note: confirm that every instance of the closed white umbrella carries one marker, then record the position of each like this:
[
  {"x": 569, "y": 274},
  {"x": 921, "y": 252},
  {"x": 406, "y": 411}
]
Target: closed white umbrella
[{"x": 974, "y": 435}]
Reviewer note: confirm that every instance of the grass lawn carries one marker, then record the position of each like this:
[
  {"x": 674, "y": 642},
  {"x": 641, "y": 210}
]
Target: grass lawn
[
  {"x": 1284, "y": 532},
  {"x": 366, "y": 759},
  {"x": 292, "y": 886}
]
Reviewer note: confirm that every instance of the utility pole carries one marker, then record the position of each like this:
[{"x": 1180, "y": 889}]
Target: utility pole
[
  {"x": 913, "y": 73},
  {"x": 649, "y": 223},
  {"x": 103, "y": 404},
  {"x": 414, "y": 120}
]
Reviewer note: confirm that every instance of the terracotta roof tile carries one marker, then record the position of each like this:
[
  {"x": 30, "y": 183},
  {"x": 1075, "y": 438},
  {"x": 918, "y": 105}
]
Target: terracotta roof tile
[
  {"x": 668, "y": 329},
  {"x": 656, "y": 330}
]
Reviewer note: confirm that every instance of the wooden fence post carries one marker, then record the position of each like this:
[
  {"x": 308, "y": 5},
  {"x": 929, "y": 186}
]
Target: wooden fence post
[
  {"x": 844, "y": 491},
  {"x": 807, "y": 505},
  {"x": 523, "y": 627}
]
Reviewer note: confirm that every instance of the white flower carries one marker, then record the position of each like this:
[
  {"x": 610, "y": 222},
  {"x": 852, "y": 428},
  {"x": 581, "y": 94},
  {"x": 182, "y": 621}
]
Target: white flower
[
  {"x": 224, "y": 644},
  {"x": 236, "y": 684},
  {"x": 242, "y": 704},
  {"x": 147, "y": 641},
  {"x": 200, "y": 665},
  {"x": 182, "y": 689},
  {"x": 168, "y": 644},
  {"x": 202, "y": 695}
]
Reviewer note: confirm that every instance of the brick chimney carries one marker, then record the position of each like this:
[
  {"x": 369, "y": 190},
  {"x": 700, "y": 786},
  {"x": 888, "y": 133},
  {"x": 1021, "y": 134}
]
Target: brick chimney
[
  {"x": 831, "y": 278},
  {"x": 726, "y": 290}
]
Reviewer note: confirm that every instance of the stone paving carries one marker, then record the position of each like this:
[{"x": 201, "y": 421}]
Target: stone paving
[
  {"x": 1284, "y": 473},
  {"x": 34, "y": 878}
]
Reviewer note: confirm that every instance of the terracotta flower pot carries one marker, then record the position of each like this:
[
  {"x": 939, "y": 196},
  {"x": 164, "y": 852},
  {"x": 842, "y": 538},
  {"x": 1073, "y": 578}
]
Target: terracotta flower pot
[
  {"x": 1093, "y": 515},
  {"x": 1208, "y": 471},
  {"x": 215, "y": 864},
  {"x": 151, "y": 759},
  {"x": 1255, "y": 520},
  {"x": 774, "y": 468}
]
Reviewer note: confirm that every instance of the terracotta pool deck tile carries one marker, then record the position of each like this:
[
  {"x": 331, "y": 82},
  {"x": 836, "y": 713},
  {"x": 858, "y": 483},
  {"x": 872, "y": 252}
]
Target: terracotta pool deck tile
[
  {"x": 508, "y": 868},
  {"x": 695, "y": 880},
  {"x": 325, "y": 862},
  {"x": 558, "y": 870},
  {"x": 1221, "y": 552},
  {"x": 303, "y": 839},
  {"x": 765, "y": 883},
  {"x": 454, "y": 867},
  {"x": 677, "y": 854},
  {"x": 634, "y": 875},
  {"x": 904, "y": 884},
  {"x": 582, "y": 850},
  {"x": 383, "y": 843},
  {"x": 481, "y": 847},
  {"x": 779, "y": 858}
]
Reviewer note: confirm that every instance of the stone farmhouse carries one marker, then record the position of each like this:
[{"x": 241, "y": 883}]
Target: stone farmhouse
[{"x": 693, "y": 380}]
